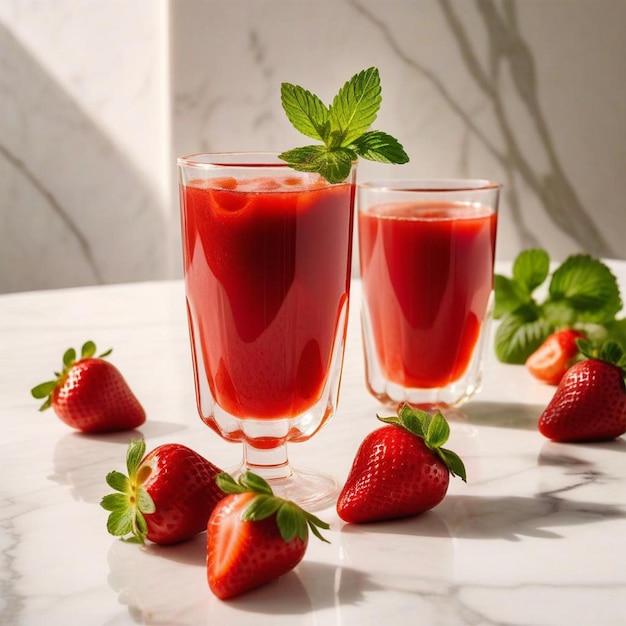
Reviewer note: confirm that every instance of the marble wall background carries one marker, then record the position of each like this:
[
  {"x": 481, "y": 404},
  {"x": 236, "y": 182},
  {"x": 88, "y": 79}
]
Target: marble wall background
[{"x": 98, "y": 97}]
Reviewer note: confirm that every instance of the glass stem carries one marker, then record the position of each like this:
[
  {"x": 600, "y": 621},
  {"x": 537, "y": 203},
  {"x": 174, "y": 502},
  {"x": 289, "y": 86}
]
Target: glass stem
[{"x": 271, "y": 463}]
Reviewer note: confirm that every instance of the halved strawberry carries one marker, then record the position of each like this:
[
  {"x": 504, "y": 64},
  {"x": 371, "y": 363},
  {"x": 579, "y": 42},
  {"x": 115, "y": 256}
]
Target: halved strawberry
[
  {"x": 167, "y": 496},
  {"x": 554, "y": 356},
  {"x": 90, "y": 394},
  {"x": 253, "y": 536},
  {"x": 400, "y": 469}
]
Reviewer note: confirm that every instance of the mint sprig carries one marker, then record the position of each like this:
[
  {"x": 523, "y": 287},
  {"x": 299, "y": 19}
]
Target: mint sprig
[
  {"x": 342, "y": 128},
  {"x": 582, "y": 293}
]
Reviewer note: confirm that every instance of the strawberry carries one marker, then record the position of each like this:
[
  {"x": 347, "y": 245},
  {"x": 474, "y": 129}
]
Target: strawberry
[
  {"x": 400, "y": 469},
  {"x": 91, "y": 394},
  {"x": 254, "y": 536},
  {"x": 590, "y": 402},
  {"x": 167, "y": 496},
  {"x": 553, "y": 357}
]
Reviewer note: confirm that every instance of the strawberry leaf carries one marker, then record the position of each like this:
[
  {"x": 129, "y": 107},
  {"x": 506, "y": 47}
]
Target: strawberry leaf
[
  {"x": 145, "y": 503},
  {"x": 291, "y": 520},
  {"x": 88, "y": 350},
  {"x": 69, "y": 357},
  {"x": 260, "y": 508},
  {"x": 438, "y": 431},
  {"x": 131, "y": 501},
  {"x": 120, "y": 522},
  {"x": 453, "y": 463},
  {"x": 134, "y": 455},
  {"x": 117, "y": 480},
  {"x": 43, "y": 390}
]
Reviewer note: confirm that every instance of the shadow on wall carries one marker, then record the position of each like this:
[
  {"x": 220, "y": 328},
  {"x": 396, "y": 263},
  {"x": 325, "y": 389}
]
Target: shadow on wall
[
  {"x": 509, "y": 53},
  {"x": 73, "y": 210}
]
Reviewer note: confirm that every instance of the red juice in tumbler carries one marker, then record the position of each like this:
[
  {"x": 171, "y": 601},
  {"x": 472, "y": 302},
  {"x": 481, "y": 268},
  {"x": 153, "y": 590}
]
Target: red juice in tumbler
[
  {"x": 427, "y": 273},
  {"x": 267, "y": 283}
]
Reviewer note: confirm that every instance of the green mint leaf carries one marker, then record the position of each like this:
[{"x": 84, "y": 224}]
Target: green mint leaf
[
  {"x": 509, "y": 296},
  {"x": 355, "y": 106},
  {"x": 519, "y": 335},
  {"x": 342, "y": 127},
  {"x": 588, "y": 287},
  {"x": 333, "y": 165},
  {"x": 531, "y": 268},
  {"x": 305, "y": 111},
  {"x": 378, "y": 146}
]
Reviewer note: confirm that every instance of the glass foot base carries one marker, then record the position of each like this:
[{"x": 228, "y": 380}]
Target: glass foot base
[{"x": 310, "y": 490}]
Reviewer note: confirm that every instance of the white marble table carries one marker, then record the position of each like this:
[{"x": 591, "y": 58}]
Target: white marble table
[{"x": 537, "y": 536}]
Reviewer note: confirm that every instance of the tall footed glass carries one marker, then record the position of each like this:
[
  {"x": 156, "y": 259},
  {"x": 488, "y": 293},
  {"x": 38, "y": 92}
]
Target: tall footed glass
[{"x": 267, "y": 256}]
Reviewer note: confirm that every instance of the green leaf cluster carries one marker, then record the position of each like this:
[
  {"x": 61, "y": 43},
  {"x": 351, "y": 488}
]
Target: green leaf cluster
[
  {"x": 292, "y": 521},
  {"x": 434, "y": 429},
  {"x": 582, "y": 293},
  {"x": 44, "y": 390},
  {"x": 131, "y": 502},
  {"x": 342, "y": 128}
]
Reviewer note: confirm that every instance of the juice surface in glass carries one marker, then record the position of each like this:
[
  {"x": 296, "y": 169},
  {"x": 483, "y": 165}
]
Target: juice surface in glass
[
  {"x": 427, "y": 275},
  {"x": 266, "y": 264}
]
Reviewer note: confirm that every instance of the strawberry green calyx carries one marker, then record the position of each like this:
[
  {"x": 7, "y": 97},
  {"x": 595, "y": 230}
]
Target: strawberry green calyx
[
  {"x": 292, "y": 520},
  {"x": 609, "y": 352},
  {"x": 132, "y": 501},
  {"x": 45, "y": 390},
  {"x": 433, "y": 429}
]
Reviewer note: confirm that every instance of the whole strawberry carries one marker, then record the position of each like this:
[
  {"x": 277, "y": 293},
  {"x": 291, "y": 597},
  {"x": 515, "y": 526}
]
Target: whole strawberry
[
  {"x": 590, "y": 402},
  {"x": 90, "y": 394},
  {"x": 400, "y": 469},
  {"x": 167, "y": 496},
  {"x": 253, "y": 536}
]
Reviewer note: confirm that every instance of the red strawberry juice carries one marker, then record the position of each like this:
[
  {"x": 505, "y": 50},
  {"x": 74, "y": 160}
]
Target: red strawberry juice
[
  {"x": 267, "y": 271},
  {"x": 427, "y": 275}
]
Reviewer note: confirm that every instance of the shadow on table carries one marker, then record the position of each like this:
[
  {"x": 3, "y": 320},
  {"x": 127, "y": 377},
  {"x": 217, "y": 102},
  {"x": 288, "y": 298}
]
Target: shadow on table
[
  {"x": 81, "y": 461},
  {"x": 497, "y": 414},
  {"x": 495, "y": 517}
]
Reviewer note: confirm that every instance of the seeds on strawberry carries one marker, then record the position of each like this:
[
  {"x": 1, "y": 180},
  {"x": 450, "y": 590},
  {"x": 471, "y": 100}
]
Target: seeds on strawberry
[
  {"x": 253, "y": 536},
  {"x": 590, "y": 402},
  {"x": 167, "y": 496},
  {"x": 90, "y": 394},
  {"x": 400, "y": 469}
]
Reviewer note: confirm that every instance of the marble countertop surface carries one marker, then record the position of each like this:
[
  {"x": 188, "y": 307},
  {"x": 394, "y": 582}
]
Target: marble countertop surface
[{"x": 536, "y": 537}]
